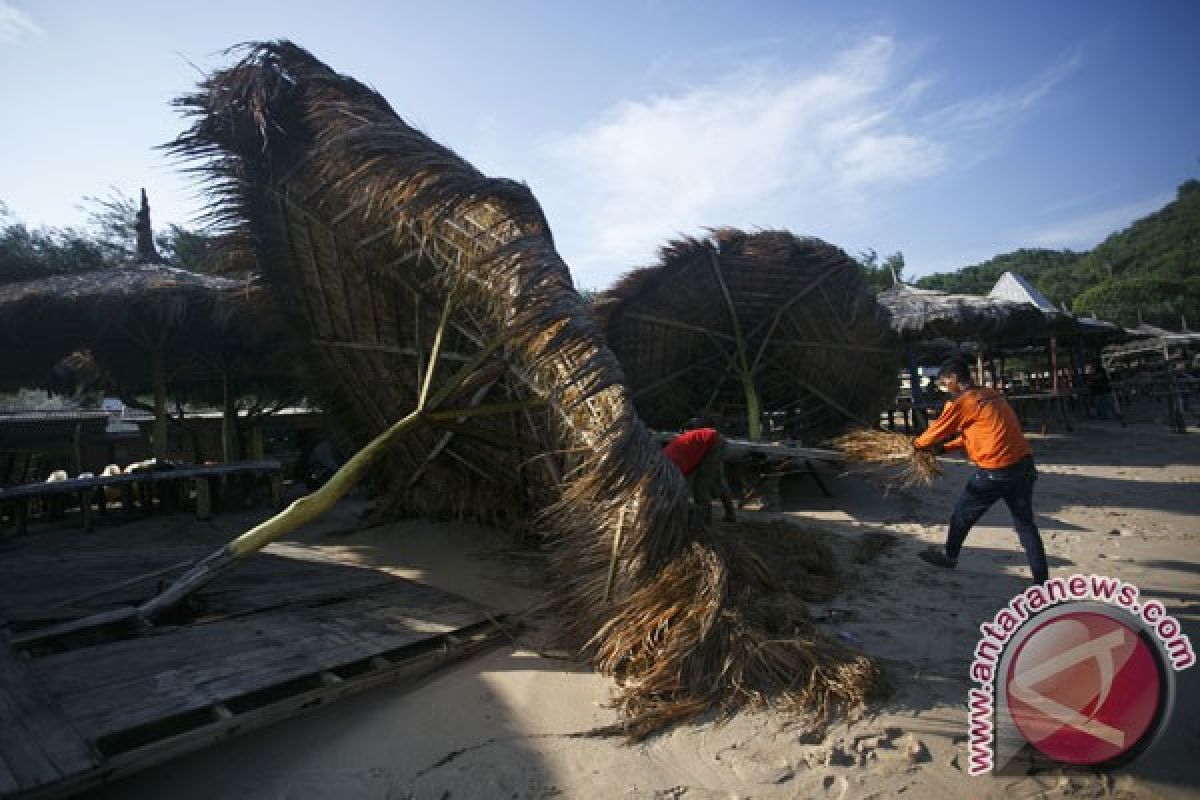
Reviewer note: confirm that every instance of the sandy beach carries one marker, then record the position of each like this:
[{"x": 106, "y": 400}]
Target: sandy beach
[{"x": 1113, "y": 501}]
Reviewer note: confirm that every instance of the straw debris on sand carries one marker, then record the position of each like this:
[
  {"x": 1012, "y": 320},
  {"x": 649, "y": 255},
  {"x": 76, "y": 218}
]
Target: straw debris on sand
[
  {"x": 894, "y": 452},
  {"x": 727, "y": 626}
]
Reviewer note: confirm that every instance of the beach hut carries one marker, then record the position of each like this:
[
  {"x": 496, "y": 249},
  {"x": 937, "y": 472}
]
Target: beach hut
[
  {"x": 747, "y": 324},
  {"x": 921, "y": 316},
  {"x": 437, "y": 317},
  {"x": 147, "y": 327}
]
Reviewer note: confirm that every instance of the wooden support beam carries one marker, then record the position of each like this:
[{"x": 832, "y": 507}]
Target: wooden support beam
[{"x": 745, "y": 373}]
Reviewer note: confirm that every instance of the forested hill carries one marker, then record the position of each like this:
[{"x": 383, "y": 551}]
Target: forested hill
[
  {"x": 1034, "y": 263},
  {"x": 1151, "y": 267}
]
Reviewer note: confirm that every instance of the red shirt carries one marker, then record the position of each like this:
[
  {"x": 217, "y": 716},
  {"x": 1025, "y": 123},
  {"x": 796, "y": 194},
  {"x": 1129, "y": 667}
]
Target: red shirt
[{"x": 687, "y": 450}]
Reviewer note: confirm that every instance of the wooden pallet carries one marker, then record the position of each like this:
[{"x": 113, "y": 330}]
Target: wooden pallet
[{"x": 284, "y": 635}]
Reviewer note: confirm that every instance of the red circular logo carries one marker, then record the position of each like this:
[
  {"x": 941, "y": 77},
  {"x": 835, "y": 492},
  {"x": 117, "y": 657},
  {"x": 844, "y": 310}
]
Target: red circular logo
[{"x": 1084, "y": 688}]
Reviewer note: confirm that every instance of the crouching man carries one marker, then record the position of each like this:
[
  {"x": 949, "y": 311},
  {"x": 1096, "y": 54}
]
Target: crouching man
[{"x": 699, "y": 453}]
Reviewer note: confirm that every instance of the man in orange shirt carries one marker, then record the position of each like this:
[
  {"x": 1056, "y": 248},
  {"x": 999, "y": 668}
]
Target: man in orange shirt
[
  {"x": 981, "y": 421},
  {"x": 699, "y": 453}
]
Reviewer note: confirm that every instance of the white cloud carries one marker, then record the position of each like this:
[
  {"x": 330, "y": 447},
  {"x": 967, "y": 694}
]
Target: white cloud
[
  {"x": 751, "y": 148},
  {"x": 827, "y": 151},
  {"x": 15, "y": 24},
  {"x": 1000, "y": 109},
  {"x": 1090, "y": 229}
]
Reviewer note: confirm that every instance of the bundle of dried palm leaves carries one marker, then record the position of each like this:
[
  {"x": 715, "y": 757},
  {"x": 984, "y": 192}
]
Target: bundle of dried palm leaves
[
  {"x": 720, "y": 629},
  {"x": 907, "y": 466}
]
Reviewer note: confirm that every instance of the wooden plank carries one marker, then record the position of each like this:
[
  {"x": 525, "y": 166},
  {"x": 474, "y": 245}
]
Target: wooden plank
[
  {"x": 116, "y": 575},
  {"x": 30, "y": 581},
  {"x": 38, "y": 745},
  {"x": 406, "y": 669},
  {"x": 120, "y": 685}
]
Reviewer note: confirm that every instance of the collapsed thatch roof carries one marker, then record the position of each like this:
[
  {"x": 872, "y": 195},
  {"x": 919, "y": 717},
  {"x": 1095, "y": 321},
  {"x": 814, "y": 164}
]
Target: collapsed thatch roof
[
  {"x": 927, "y": 314},
  {"x": 123, "y": 315},
  {"x": 793, "y": 312},
  {"x": 374, "y": 233}
]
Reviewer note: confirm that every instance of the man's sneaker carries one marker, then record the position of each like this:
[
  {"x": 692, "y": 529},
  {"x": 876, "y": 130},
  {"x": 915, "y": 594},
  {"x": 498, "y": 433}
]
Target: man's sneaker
[{"x": 937, "y": 556}]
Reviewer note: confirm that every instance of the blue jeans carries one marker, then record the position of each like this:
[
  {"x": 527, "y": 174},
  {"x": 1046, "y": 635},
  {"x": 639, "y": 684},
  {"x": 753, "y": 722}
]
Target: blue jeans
[{"x": 1013, "y": 484}]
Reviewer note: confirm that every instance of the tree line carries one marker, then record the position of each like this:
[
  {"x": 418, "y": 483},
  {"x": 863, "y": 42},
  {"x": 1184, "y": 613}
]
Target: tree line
[
  {"x": 105, "y": 241},
  {"x": 1148, "y": 272}
]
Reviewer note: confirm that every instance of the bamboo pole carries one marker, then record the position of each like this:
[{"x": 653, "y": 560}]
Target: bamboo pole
[
  {"x": 313, "y": 505},
  {"x": 304, "y": 510}
]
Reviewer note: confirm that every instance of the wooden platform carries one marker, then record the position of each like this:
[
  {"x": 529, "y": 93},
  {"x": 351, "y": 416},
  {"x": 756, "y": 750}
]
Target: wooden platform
[{"x": 287, "y": 631}]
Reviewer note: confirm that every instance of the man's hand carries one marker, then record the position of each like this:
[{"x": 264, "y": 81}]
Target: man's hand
[{"x": 937, "y": 448}]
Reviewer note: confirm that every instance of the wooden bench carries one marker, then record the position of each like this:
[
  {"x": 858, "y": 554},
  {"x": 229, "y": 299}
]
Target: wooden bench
[{"x": 202, "y": 478}]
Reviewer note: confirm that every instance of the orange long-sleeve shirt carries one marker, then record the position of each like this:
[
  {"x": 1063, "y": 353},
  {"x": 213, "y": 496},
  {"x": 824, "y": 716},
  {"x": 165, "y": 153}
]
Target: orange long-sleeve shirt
[{"x": 989, "y": 428}]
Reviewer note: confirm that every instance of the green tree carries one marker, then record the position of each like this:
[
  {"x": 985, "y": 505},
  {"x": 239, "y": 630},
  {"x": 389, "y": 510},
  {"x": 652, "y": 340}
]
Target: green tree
[
  {"x": 1157, "y": 301},
  {"x": 26, "y": 254},
  {"x": 881, "y": 275},
  {"x": 112, "y": 222}
]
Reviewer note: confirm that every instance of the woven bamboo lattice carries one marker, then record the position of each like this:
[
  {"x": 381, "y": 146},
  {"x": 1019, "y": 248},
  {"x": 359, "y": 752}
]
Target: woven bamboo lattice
[
  {"x": 391, "y": 253},
  {"x": 738, "y": 323}
]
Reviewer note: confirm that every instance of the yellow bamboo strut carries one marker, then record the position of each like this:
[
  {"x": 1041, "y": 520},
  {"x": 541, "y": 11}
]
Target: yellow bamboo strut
[
  {"x": 313, "y": 505},
  {"x": 301, "y": 511}
]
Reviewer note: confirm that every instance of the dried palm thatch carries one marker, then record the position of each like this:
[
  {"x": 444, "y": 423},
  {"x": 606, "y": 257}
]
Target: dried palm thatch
[
  {"x": 919, "y": 314},
  {"x": 414, "y": 282},
  {"x": 894, "y": 451},
  {"x": 150, "y": 328},
  {"x": 743, "y": 323}
]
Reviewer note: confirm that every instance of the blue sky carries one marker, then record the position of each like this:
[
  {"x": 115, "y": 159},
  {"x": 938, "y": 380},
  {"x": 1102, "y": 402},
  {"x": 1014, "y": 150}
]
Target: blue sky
[{"x": 950, "y": 131}]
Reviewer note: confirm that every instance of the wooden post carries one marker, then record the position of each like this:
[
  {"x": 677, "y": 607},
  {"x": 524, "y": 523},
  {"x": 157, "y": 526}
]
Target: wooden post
[
  {"x": 78, "y": 447},
  {"x": 229, "y": 441},
  {"x": 159, "y": 377},
  {"x": 1054, "y": 365},
  {"x": 203, "y": 498},
  {"x": 257, "y": 448},
  {"x": 918, "y": 399},
  {"x": 85, "y": 509},
  {"x": 979, "y": 363},
  {"x": 276, "y": 479},
  {"x": 1175, "y": 417}
]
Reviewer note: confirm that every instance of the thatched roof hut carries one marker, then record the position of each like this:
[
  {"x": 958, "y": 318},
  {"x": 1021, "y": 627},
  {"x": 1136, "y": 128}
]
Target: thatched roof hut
[
  {"x": 148, "y": 326},
  {"x": 743, "y": 323},
  {"x": 122, "y": 312},
  {"x": 918, "y": 314},
  {"x": 391, "y": 252}
]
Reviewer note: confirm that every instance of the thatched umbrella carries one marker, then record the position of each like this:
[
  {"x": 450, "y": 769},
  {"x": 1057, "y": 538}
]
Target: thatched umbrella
[
  {"x": 922, "y": 314},
  {"x": 432, "y": 304},
  {"x": 143, "y": 324},
  {"x": 750, "y": 323}
]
